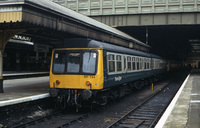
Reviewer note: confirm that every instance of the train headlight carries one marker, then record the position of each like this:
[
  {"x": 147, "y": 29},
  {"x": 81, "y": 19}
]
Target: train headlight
[
  {"x": 88, "y": 83},
  {"x": 57, "y": 82}
]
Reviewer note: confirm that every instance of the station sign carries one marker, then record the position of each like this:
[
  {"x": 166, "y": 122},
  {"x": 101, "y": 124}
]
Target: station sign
[
  {"x": 22, "y": 38},
  {"x": 41, "y": 48}
]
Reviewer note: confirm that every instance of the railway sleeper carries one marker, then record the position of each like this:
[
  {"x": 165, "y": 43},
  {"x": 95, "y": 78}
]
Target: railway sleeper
[
  {"x": 142, "y": 114},
  {"x": 146, "y": 108},
  {"x": 135, "y": 121},
  {"x": 131, "y": 125},
  {"x": 129, "y": 121},
  {"x": 147, "y": 112},
  {"x": 149, "y": 115},
  {"x": 142, "y": 118}
]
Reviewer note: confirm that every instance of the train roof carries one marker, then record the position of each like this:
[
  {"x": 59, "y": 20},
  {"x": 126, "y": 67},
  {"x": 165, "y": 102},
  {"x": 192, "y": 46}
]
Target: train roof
[
  {"x": 89, "y": 43},
  {"x": 156, "y": 56}
]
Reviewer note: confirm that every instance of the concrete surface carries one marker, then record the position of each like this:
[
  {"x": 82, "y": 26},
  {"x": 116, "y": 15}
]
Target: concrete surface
[
  {"x": 186, "y": 110},
  {"x": 18, "y": 89}
]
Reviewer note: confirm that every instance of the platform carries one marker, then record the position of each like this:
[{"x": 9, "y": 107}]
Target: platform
[
  {"x": 22, "y": 74},
  {"x": 22, "y": 90},
  {"x": 184, "y": 110}
]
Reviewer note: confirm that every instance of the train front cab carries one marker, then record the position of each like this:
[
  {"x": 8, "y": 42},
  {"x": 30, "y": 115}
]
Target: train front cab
[{"x": 76, "y": 72}]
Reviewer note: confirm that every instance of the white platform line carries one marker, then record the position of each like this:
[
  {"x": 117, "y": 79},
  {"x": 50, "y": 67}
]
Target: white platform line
[
  {"x": 24, "y": 99},
  {"x": 167, "y": 112},
  {"x": 31, "y": 73}
]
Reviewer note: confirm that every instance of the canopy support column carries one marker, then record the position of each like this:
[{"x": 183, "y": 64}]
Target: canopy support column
[{"x": 1, "y": 71}]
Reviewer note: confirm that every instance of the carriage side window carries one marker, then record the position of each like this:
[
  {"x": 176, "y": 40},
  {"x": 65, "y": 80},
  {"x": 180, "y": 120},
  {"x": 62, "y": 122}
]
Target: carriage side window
[
  {"x": 162, "y": 64},
  {"x": 153, "y": 64},
  {"x": 141, "y": 64},
  {"x": 129, "y": 63},
  {"x": 133, "y": 63},
  {"x": 119, "y": 63},
  {"x": 148, "y": 64},
  {"x": 74, "y": 62},
  {"x": 138, "y": 65},
  {"x": 89, "y": 62},
  {"x": 111, "y": 62},
  {"x": 145, "y": 63},
  {"x": 125, "y": 62},
  {"x": 156, "y": 64},
  {"x": 59, "y": 62}
]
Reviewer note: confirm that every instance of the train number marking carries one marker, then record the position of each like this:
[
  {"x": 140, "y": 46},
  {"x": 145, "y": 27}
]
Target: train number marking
[{"x": 89, "y": 76}]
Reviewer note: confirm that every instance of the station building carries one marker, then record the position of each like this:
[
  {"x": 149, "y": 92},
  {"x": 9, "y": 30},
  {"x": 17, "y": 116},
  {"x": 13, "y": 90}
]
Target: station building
[{"x": 23, "y": 55}]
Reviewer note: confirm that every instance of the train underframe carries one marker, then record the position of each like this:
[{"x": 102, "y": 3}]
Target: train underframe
[{"x": 79, "y": 98}]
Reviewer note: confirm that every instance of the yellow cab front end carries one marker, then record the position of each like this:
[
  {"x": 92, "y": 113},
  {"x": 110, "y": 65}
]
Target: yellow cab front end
[{"x": 76, "y": 70}]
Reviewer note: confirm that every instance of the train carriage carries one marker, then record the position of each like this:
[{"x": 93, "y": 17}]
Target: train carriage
[{"x": 83, "y": 69}]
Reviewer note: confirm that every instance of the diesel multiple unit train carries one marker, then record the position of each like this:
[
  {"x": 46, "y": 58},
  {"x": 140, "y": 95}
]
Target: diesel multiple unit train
[{"x": 88, "y": 70}]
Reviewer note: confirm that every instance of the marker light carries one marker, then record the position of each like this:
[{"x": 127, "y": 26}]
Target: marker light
[
  {"x": 57, "y": 82},
  {"x": 88, "y": 83}
]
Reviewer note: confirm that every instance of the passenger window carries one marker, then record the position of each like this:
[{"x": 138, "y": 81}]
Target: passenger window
[
  {"x": 73, "y": 64},
  {"x": 156, "y": 64},
  {"x": 153, "y": 64},
  {"x": 138, "y": 65},
  {"x": 60, "y": 59},
  {"x": 124, "y": 63},
  {"x": 133, "y": 63},
  {"x": 89, "y": 62},
  {"x": 147, "y": 63},
  {"x": 141, "y": 64},
  {"x": 129, "y": 63},
  {"x": 111, "y": 62},
  {"x": 119, "y": 63}
]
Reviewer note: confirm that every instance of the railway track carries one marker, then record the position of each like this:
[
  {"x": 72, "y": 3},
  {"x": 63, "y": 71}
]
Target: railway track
[
  {"x": 144, "y": 115},
  {"x": 69, "y": 120},
  {"x": 147, "y": 113}
]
